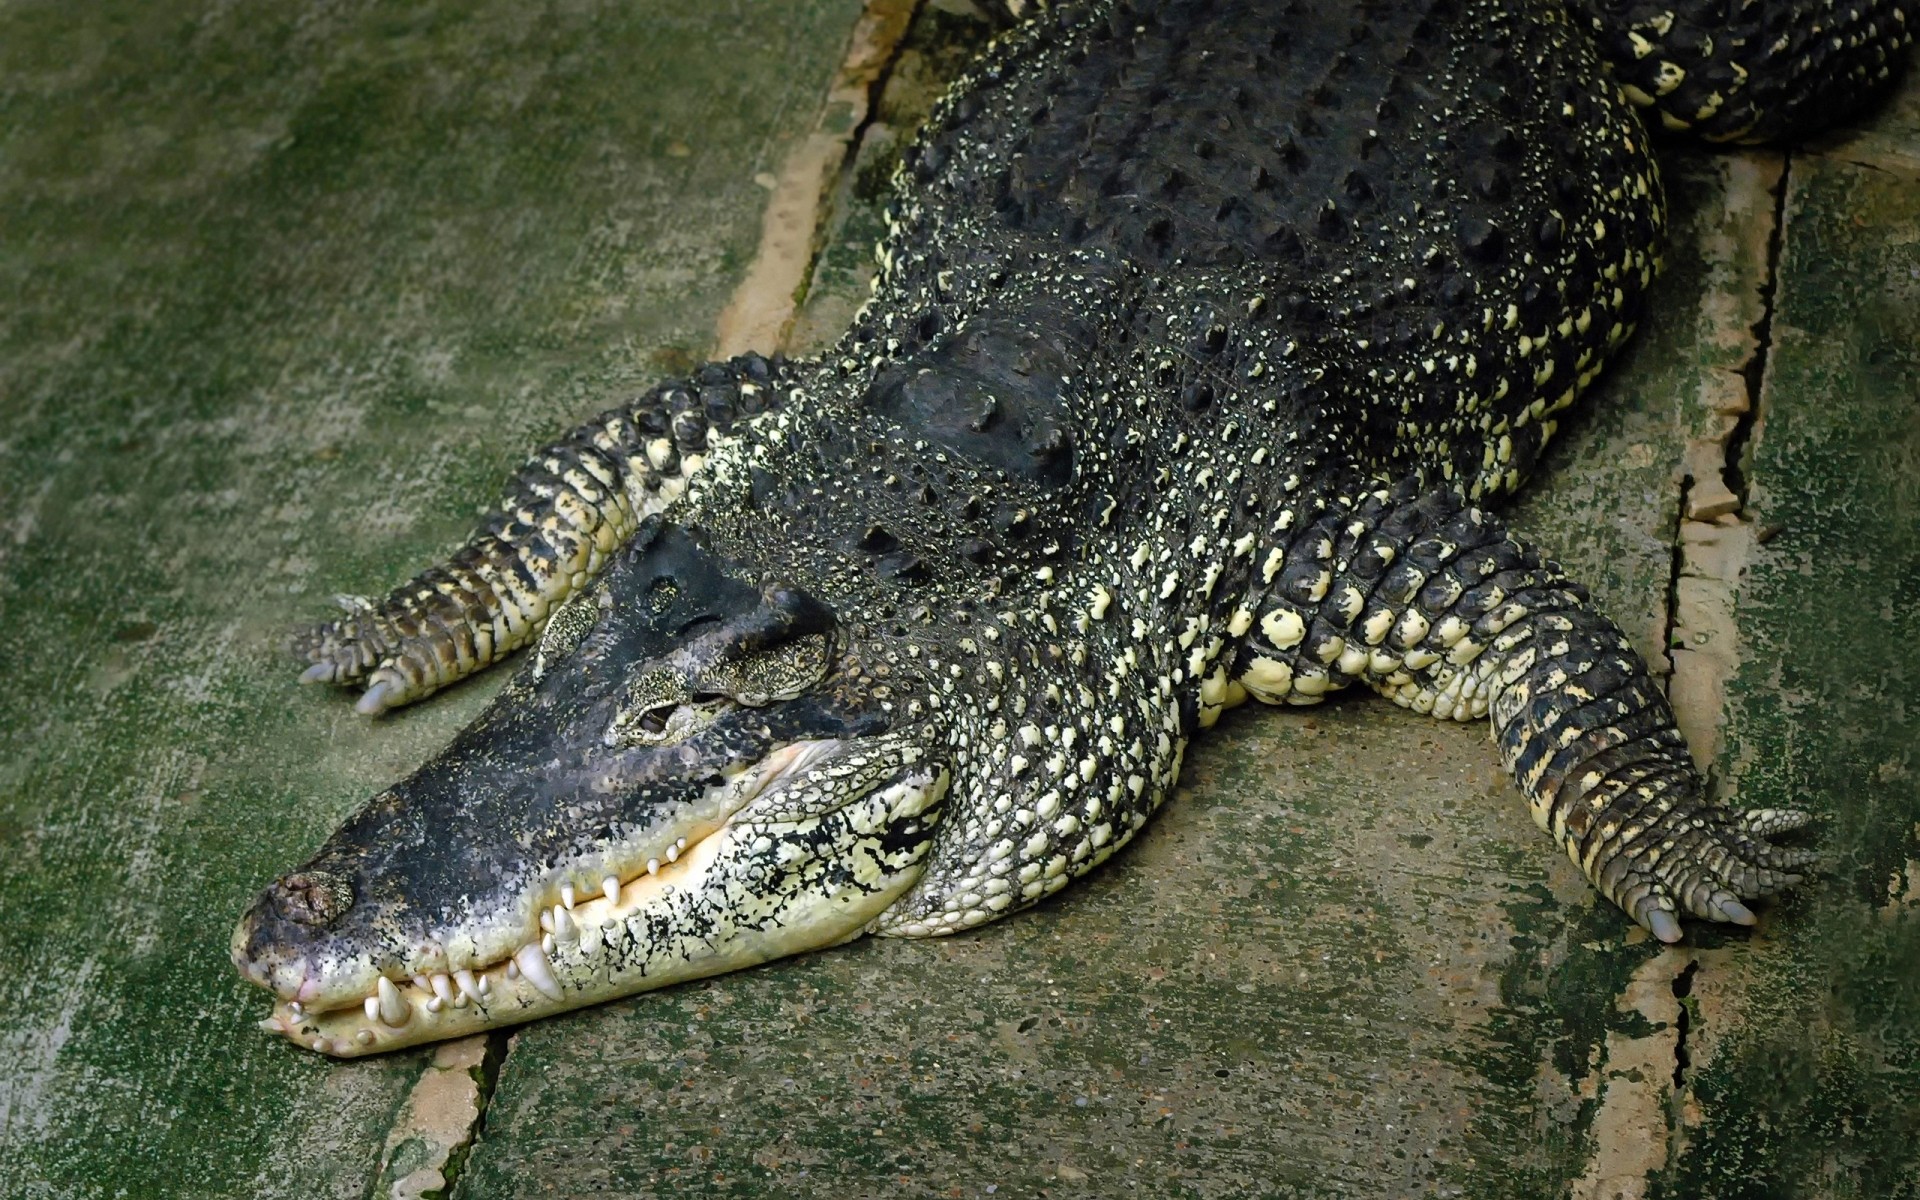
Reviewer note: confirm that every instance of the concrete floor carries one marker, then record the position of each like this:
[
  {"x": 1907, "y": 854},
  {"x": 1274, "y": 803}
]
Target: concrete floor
[{"x": 284, "y": 293}]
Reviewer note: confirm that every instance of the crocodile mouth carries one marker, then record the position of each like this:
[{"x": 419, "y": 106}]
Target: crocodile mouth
[
  {"x": 708, "y": 901},
  {"x": 511, "y": 968}
]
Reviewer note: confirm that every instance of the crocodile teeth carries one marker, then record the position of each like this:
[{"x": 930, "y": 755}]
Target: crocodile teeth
[
  {"x": 539, "y": 972},
  {"x": 673, "y": 852},
  {"x": 653, "y": 866},
  {"x": 442, "y": 988},
  {"x": 394, "y": 1009},
  {"x": 563, "y": 927},
  {"x": 469, "y": 990},
  {"x": 611, "y": 886},
  {"x": 566, "y": 894}
]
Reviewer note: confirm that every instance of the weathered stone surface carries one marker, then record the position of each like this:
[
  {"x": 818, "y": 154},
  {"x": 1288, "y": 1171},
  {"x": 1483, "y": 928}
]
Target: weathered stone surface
[
  {"x": 284, "y": 292},
  {"x": 291, "y": 292},
  {"x": 1808, "y": 1050}
]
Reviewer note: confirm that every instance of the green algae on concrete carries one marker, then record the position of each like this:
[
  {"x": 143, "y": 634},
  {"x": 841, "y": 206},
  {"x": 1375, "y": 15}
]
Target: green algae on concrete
[
  {"x": 1809, "y": 1078},
  {"x": 284, "y": 293}
]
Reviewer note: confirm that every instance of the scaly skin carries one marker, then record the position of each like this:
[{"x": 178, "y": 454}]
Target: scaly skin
[{"x": 1203, "y": 334}]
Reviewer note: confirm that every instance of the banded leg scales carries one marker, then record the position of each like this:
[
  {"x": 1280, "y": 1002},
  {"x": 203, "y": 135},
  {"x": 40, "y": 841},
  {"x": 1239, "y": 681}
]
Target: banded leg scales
[
  {"x": 1432, "y": 603},
  {"x": 565, "y": 512}
]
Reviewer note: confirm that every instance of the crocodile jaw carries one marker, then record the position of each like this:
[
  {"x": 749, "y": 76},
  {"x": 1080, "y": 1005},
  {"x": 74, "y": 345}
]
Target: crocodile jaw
[{"x": 772, "y": 882}]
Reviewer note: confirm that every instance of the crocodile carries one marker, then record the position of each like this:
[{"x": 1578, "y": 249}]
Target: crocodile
[{"x": 1207, "y": 338}]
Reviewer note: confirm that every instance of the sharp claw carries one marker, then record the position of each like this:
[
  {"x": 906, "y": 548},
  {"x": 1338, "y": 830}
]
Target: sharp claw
[
  {"x": 320, "y": 672},
  {"x": 1729, "y": 909},
  {"x": 1662, "y": 925},
  {"x": 373, "y": 701}
]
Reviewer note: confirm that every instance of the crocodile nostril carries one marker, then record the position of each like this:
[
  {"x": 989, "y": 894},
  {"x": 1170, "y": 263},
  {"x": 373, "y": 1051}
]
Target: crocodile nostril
[{"x": 312, "y": 897}]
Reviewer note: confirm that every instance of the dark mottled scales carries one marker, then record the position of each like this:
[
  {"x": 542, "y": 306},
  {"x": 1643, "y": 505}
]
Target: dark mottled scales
[
  {"x": 1741, "y": 71},
  {"x": 1202, "y": 331}
]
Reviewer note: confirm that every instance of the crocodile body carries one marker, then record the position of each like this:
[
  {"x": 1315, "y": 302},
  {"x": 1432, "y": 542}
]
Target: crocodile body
[{"x": 1204, "y": 333}]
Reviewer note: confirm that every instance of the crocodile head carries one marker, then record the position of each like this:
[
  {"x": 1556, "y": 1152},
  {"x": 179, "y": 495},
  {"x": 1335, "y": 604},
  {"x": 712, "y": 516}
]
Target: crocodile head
[{"x": 692, "y": 773}]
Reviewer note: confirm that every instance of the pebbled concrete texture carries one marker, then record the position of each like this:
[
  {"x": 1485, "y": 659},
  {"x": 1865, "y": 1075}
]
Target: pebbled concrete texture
[{"x": 292, "y": 290}]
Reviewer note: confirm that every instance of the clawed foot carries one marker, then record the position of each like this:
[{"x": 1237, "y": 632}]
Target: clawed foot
[
  {"x": 353, "y": 650},
  {"x": 1702, "y": 862}
]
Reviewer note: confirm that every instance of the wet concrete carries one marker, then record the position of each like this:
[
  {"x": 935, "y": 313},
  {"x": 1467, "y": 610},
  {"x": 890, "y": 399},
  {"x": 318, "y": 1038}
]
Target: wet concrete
[{"x": 295, "y": 294}]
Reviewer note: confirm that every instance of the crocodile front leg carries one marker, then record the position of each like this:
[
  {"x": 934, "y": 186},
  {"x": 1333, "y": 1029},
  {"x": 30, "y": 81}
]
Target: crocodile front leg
[
  {"x": 1435, "y": 605},
  {"x": 564, "y": 514}
]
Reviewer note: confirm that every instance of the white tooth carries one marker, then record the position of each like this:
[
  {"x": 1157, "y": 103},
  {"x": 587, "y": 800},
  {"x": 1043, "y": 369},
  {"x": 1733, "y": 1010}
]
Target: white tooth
[
  {"x": 469, "y": 990},
  {"x": 296, "y": 1010},
  {"x": 321, "y": 1045},
  {"x": 394, "y": 1009},
  {"x": 364, "y": 1037},
  {"x": 435, "y": 1004},
  {"x": 653, "y": 866},
  {"x": 566, "y": 894},
  {"x": 673, "y": 852},
  {"x": 486, "y": 985},
  {"x": 611, "y": 886},
  {"x": 420, "y": 981},
  {"x": 680, "y": 844},
  {"x": 372, "y": 1006},
  {"x": 513, "y": 969},
  {"x": 546, "y": 920},
  {"x": 538, "y": 970},
  {"x": 442, "y": 988},
  {"x": 563, "y": 927},
  {"x": 546, "y": 944}
]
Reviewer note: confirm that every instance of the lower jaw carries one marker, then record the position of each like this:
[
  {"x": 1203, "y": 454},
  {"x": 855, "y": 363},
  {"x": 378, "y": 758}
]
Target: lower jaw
[{"x": 611, "y": 952}]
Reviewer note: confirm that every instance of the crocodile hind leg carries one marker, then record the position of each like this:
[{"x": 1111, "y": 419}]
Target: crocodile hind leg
[
  {"x": 564, "y": 514},
  {"x": 1434, "y": 604}
]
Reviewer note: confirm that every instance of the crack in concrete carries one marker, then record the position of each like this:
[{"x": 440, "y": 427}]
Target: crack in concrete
[
  {"x": 1683, "y": 1025},
  {"x": 1632, "y": 1127},
  {"x": 764, "y": 306},
  {"x": 440, "y": 1121},
  {"x": 1714, "y": 536},
  {"x": 1641, "y": 1121}
]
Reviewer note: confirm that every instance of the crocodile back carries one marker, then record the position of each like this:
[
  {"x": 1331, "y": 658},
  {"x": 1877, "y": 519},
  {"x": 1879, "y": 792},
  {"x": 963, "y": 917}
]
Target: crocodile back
[{"x": 1427, "y": 223}]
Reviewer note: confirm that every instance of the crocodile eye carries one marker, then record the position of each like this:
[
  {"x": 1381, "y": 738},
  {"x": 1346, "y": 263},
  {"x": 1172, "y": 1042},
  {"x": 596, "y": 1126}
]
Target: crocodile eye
[{"x": 654, "y": 720}]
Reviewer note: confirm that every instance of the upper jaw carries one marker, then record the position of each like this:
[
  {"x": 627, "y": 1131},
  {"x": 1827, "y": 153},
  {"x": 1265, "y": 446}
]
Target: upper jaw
[
  {"x": 851, "y": 823},
  {"x": 341, "y": 971}
]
